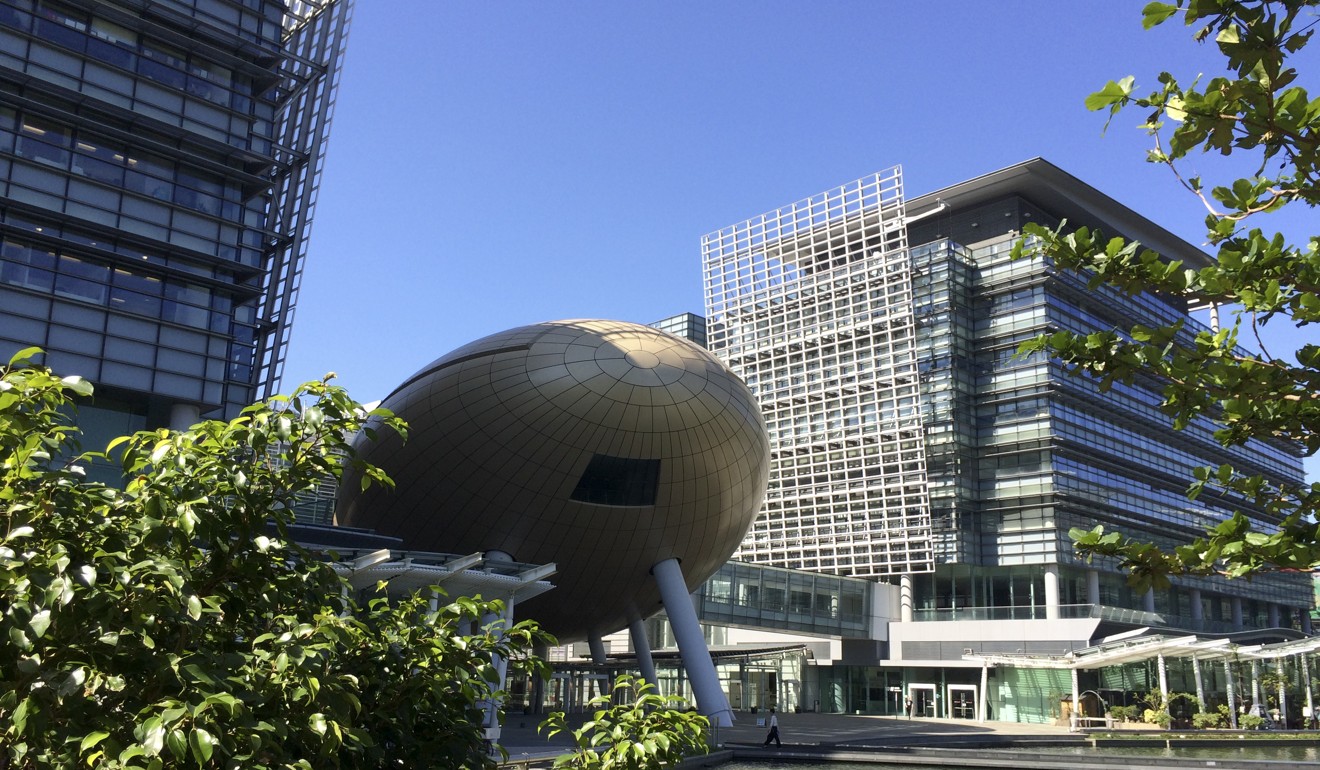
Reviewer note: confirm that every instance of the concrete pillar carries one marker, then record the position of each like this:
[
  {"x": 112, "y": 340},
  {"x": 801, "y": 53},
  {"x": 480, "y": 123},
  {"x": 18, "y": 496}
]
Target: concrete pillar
[
  {"x": 1236, "y": 604},
  {"x": 905, "y": 598},
  {"x": 1255, "y": 683},
  {"x": 642, "y": 646},
  {"x": 1076, "y": 702},
  {"x": 1306, "y": 621},
  {"x": 1200, "y": 686},
  {"x": 1306, "y": 684},
  {"x": 542, "y": 652},
  {"x": 1093, "y": 587},
  {"x": 982, "y": 696},
  {"x": 491, "y": 723},
  {"x": 597, "y": 647},
  {"x": 1164, "y": 680},
  {"x": 1198, "y": 612},
  {"x": 1148, "y": 600},
  {"x": 1051, "y": 592},
  {"x": 1283, "y": 693},
  {"x": 1273, "y": 615},
  {"x": 184, "y": 416},
  {"x": 1228, "y": 694},
  {"x": 711, "y": 701}
]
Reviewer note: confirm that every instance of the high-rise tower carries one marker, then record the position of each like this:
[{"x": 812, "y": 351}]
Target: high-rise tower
[{"x": 159, "y": 163}]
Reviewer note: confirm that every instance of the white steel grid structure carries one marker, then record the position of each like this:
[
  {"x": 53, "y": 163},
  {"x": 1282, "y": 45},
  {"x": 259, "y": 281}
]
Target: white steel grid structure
[{"x": 811, "y": 304}]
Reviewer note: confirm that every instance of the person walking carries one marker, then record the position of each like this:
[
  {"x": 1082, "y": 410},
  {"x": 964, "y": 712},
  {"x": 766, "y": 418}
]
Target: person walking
[{"x": 773, "y": 735}]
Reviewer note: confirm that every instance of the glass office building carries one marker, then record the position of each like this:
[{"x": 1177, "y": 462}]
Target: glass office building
[
  {"x": 912, "y": 445},
  {"x": 158, "y": 171}
]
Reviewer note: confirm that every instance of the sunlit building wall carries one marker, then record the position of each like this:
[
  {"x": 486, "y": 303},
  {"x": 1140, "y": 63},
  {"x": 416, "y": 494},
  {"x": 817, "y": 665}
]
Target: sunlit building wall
[
  {"x": 911, "y": 443},
  {"x": 159, "y": 165}
]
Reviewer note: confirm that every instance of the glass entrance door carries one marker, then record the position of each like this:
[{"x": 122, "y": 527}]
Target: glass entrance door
[{"x": 962, "y": 701}]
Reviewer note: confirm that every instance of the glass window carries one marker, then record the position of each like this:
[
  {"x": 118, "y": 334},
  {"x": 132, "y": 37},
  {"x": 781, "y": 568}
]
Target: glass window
[
  {"x": 618, "y": 481},
  {"x": 43, "y": 142},
  {"x": 80, "y": 288},
  {"x": 133, "y": 302},
  {"x": 112, "y": 43},
  {"x": 62, "y": 25},
  {"x": 149, "y": 175},
  {"x": 26, "y": 266},
  {"x": 162, "y": 64}
]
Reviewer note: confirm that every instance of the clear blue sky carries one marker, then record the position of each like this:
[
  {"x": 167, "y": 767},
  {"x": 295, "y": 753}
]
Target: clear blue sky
[{"x": 493, "y": 164}]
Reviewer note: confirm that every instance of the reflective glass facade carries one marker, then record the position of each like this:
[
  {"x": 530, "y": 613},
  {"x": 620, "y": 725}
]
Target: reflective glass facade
[
  {"x": 158, "y": 169},
  {"x": 855, "y": 319}
]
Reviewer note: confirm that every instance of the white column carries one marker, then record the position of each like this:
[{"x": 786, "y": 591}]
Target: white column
[
  {"x": 184, "y": 416},
  {"x": 1200, "y": 686},
  {"x": 1283, "y": 693},
  {"x": 983, "y": 697},
  {"x": 1148, "y": 600},
  {"x": 492, "y": 720},
  {"x": 642, "y": 646},
  {"x": 1198, "y": 612},
  {"x": 1164, "y": 681},
  {"x": 1228, "y": 693},
  {"x": 905, "y": 598},
  {"x": 1076, "y": 701},
  {"x": 711, "y": 701},
  {"x": 1306, "y": 684},
  {"x": 1092, "y": 587},
  {"x": 1236, "y": 604},
  {"x": 1273, "y": 611},
  {"x": 1255, "y": 683},
  {"x": 1051, "y": 592}
]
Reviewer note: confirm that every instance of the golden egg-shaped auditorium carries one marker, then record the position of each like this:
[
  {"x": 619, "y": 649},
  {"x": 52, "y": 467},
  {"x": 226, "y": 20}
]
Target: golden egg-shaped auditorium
[{"x": 607, "y": 448}]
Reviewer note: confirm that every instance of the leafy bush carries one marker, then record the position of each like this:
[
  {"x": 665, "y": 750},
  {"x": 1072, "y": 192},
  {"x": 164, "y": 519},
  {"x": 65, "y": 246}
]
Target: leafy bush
[
  {"x": 164, "y": 625},
  {"x": 1250, "y": 721},
  {"x": 644, "y": 731},
  {"x": 1157, "y": 717},
  {"x": 1123, "y": 713},
  {"x": 1205, "y": 720}
]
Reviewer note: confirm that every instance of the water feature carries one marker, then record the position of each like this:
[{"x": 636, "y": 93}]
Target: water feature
[{"x": 1222, "y": 755}]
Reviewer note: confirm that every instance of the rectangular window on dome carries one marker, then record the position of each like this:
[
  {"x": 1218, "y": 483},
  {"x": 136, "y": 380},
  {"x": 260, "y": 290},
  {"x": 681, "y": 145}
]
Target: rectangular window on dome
[{"x": 618, "y": 481}]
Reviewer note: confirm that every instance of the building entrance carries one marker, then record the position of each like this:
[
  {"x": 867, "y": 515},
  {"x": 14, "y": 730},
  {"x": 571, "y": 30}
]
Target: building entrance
[
  {"x": 962, "y": 701},
  {"x": 923, "y": 700}
]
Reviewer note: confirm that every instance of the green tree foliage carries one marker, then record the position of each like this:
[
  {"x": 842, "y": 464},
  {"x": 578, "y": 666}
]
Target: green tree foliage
[
  {"x": 162, "y": 625},
  {"x": 644, "y": 731},
  {"x": 1259, "y": 112}
]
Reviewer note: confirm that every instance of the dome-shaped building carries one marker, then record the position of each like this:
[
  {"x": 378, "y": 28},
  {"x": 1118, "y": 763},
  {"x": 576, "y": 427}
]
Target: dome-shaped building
[{"x": 604, "y": 447}]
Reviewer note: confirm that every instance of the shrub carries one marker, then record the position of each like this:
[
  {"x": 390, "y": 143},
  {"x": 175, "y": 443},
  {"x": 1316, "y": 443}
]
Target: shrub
[{"x": 1123, "y": 713}]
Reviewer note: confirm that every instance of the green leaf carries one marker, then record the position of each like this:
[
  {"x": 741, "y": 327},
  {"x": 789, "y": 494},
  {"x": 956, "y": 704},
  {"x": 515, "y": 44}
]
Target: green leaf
[
  {"x": 39, "y": 623},
  {"x": 92, "y": 739},
  {"x": 1114, "y": 93},
  {"x": 1155, "y": 14},
  {"x": 202, "y": 744}
]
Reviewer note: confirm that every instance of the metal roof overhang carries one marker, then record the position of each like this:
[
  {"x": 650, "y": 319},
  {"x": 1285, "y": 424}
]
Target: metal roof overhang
[
  {"x": 471, "y": 575},
  {"x": 1067, "y": 197},
  {"x": 1142, "y": 648}
]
